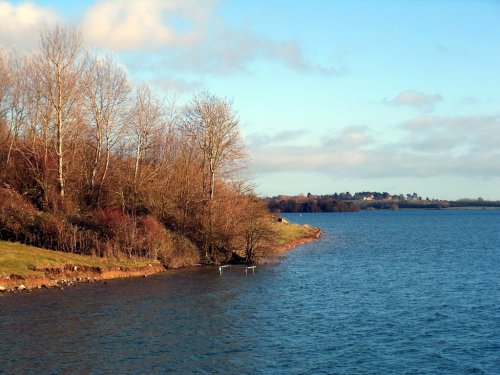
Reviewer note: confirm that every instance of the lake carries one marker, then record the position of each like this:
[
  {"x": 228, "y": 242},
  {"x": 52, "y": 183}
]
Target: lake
[{"x": 385, "y": 292}]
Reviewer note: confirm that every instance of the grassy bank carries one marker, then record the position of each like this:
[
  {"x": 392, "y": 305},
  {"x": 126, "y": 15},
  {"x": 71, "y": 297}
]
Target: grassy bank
[
  {"x": 288, "y": 232},
  {"x": 27, "y": 267},
  {"x": 25, "y": 260},
  {"x": 30, "y": 267},
  {"x": 287, "y": 236}
]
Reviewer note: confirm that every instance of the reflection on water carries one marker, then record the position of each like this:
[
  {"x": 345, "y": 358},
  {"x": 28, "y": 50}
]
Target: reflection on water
[{"x": 381, "y": 292}]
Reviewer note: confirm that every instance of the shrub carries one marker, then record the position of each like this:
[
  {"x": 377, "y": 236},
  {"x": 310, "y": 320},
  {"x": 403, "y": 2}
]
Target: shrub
[
  {"x": 17, "y": 215},
  {"x": 119, "y": 231},
  {"x": 107, "y": 232},
  {"x": 155, "y": 237},
  {"x": 181, "y": 253}
]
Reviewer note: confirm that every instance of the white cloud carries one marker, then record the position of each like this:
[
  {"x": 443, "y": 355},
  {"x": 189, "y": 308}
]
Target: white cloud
[
  {"x": 168, "y": 37},
  {"x": 479, "y": 133},
  {"x": 349, "y": 137},
  {"x": 228, "y": 51},
  {"x": 189, "y": 36},
  {"x": 147, "y": 24},
  {"x": 177, "y": 85},
  {"x": 258, "y": 140},
  {"x": 415, "y": 99},
  {"x": 430, "y": 146},
  {"x": 20, "y": 24}
]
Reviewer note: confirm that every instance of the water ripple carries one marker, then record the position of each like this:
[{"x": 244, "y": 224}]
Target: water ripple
[{"x": 381, "y": 293}]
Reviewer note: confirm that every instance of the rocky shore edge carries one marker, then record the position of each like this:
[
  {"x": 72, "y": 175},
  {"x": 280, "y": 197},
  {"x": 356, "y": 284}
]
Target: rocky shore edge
[{"x": 72, "y": 274}]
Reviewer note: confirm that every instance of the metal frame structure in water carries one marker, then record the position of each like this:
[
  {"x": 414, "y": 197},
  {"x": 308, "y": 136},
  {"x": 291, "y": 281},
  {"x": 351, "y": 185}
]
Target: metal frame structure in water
[{"x": 246, "y": 268}]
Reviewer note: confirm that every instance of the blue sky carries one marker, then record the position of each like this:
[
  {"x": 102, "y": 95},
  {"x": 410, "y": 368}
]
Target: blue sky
[{"x": 397, "y": 96}]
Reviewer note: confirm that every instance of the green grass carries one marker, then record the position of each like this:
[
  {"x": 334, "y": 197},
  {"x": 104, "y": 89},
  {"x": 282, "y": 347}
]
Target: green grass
[
  {"x": 287, "y": 232},
  {"x": 22, "y": 260}
]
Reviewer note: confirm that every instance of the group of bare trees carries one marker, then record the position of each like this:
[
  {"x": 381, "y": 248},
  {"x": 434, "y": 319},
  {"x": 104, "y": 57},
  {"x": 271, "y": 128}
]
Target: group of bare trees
[{"x": 77, "y": 138}]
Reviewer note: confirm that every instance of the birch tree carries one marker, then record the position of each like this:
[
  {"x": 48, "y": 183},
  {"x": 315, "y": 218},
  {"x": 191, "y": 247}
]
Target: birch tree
[
  {"x": 61, "y": 68},
  {"x": 146, "y": 121},
  {"x": 107, "y": 100}
]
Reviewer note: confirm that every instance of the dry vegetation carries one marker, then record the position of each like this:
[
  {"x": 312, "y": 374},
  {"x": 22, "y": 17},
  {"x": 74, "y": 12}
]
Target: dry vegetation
[
  {"x": 27, "y": 267},
  {"x": 90, "y": 164}
]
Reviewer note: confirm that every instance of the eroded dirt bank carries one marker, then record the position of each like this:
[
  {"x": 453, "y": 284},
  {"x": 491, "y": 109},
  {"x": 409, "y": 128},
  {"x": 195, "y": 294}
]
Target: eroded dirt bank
[{"x": 72, "y": 274}]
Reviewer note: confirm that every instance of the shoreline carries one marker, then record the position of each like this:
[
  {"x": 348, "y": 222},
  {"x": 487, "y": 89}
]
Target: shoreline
[
  {"x": 280, "y": 250},
  {"x": 71, "y": 275}
]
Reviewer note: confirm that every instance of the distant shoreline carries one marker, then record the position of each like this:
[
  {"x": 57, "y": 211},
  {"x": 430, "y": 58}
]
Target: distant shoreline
[{"x": 330, "y": 203}]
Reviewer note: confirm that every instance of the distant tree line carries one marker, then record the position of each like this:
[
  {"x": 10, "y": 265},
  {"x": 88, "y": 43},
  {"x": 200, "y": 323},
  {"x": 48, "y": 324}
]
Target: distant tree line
[
  {"x": 91, "y": 163},
  {"x": 473, "y": 203},
  {"x": 309, "y": 204},
  {"x": 371, "y": 195},
  {"x": 347, "y": 202}
]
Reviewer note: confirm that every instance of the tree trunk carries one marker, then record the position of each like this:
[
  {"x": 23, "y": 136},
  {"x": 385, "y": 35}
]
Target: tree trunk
[
  {"x": 97, "y": 158},
  {"x": 137, "y": 160},
  {"x": 212, "y": 184},
  {"x": 103, "y": 176},
  {"x": 59, "y": 136}
]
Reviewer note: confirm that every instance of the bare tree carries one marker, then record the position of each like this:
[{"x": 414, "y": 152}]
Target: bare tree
[
  {"x": 6, "y": 136},
  {"x": 255, "y": 225},
  {"x": 36, "y": 149},
  {"x": 71, "y": 130},
  {"x": 61, "y": 68},
  {"x": 5, "y": 83},
  {"x": 11, "y": 108},
  {"x": 214, "y": 127},
  {"x": 146, "y": 121},
  {"x": 107, "y": 100}
]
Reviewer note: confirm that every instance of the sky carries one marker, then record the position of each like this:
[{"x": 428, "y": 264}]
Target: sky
[{"x": 332, "y": 96}]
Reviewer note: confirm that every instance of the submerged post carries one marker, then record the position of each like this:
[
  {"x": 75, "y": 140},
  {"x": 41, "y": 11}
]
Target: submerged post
[{"x": 250, "y": 267}]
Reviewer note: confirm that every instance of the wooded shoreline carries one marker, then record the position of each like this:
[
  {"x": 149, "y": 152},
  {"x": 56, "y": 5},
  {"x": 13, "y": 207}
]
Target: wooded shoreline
[
  {"x": 93, "y": 163},
  {"x": 122, "y": 181},
  {"x": 69, "y": 275}
]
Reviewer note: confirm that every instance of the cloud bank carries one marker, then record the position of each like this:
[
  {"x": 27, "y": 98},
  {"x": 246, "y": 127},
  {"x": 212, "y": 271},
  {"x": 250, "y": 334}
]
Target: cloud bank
[
  {"x": 429, "y": 146},
  {"x": 178, "y": 36},
  {"x": 145, "y": 25},
  {"x": 20, "y": 24},
  {"x": 188, "y": 35}
]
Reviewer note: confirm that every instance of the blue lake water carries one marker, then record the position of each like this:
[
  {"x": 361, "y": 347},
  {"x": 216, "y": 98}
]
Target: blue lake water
[{"x": 405, "y": 292}]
